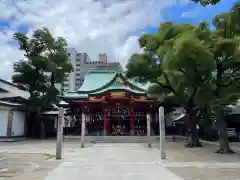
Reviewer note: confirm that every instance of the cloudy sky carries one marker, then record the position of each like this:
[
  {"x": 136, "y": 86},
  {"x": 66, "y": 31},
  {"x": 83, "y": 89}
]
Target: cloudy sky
[{"x": 93, "y": 26}]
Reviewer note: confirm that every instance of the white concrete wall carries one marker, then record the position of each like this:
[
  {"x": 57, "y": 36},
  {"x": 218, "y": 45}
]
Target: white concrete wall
[
  {"x": 3, "y": 122},
  {"x": 18, "y": 123}
]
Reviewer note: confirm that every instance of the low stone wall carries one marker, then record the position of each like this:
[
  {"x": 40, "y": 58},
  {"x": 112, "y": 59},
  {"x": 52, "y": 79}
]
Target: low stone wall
[
  {"x": 119, "y": 139},
  {"x": 114, "y": 139}
]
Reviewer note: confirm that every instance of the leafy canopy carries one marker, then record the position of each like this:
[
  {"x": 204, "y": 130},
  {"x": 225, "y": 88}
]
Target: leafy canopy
[
  {"x": 46, "y": 63},
  {"x": 175, "y": 60},
  {"x": 194, "y": 63}
]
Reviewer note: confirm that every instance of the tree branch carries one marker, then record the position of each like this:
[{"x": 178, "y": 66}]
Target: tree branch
[
  {"x": 193, "y": 93},
  {"x": 169, "y": 86},
  {"x": 232, "y": 82},
  {"x": 181, "y": 70}
]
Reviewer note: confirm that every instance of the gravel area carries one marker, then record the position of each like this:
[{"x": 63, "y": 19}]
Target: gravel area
[
  {"x": 14, "y": 166},
  {"x": 206, "y": 173},
  {"x": 201, "y": 163}
]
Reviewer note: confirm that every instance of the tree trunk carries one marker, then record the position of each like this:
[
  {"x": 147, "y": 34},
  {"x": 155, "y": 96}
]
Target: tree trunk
[
  {"x": 52, "y": 79},
  {"x": 223, "y": 137},
  {"x": 194, "y": 136},
  {"x": 42, "y": 129}
]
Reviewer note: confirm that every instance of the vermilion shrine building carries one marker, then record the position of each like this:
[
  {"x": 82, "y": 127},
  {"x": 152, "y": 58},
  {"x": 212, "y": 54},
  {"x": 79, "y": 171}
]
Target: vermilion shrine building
[{"x": 112, "y": 104}]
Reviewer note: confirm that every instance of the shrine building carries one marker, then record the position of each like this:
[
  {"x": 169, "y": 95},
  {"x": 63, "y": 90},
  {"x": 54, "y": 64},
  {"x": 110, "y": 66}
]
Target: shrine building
[{"x": 112, "y": 104}]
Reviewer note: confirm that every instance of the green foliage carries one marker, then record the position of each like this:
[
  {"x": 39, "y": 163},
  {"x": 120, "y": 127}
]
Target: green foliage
[
  {"x": 44, "y": 54},
  {"x": 206, "y": 2},
  {"x": 55, "y": 53},
  {"x": 46, "y": 63},
  {"x": 227, "y": 60},
  {"x": 184, "y": 59},
  {"x": 28, "y": 72},
  {"x": 195, "y": 62},
  {"x": 199, "y": 68}
]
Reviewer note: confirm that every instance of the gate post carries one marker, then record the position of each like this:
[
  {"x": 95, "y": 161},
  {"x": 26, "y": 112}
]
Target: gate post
[
  {"x": 60, "y": 133},
  {"x": 162, "y": 132},
  {"x": 83, "y": 130},
  {"x": 131, "y": 123},
  {"x": 105, "y": 122},
  {"x": 149, "y": 130}
]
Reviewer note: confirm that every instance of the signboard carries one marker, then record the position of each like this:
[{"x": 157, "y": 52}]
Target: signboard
[
  {"x": 142, "y": 97},
  {"x": 92, "y": 98},
  {"x": 138, "y": 97},
  {"x": 118, "y": 94}
]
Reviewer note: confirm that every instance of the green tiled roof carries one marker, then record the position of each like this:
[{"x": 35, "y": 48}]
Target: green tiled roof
[
  {"x": 114, "y": 86},
  {"x": 96, "y": 80},
  {"x": 101, "y": 80}
]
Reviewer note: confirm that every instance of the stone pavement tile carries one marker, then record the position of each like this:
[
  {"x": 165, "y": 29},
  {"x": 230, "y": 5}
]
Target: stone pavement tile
[
  {"x": 207, "y": 173},
  {"x": 201, "y": 163},
  {"x": 113, "y": 161},
  {"x": 103, "y": 171},
  {"x": 177, "y": 152},
  {"x": 37, "y": 174},
  {"x": 25, "y": 166}
]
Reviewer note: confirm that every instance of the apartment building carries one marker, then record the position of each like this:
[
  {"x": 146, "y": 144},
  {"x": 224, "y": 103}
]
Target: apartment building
[{"x": 81, "y": 64}]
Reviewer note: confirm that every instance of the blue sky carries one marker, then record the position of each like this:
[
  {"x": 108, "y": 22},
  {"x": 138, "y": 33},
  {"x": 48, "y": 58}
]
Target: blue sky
[
  {"x": 193, "y": 13},
  {"x": 185, "y": 13},
  {"x": 88, "y": 26}
]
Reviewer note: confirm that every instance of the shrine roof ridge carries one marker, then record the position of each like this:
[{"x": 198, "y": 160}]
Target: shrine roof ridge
[{"x": 101, "y": 80}]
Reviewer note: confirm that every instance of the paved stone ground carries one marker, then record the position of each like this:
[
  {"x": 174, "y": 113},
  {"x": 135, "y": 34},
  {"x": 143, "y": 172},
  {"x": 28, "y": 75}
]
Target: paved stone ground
[
  {"x": 34, "y": 166},
  {"x": 113, "y": 161},
  {"x": 24, "y": 160},
  {"x": 201, "y": 163}
]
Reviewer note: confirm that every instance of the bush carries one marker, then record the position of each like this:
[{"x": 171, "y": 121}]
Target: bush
[{"x": 210, "y": 134}]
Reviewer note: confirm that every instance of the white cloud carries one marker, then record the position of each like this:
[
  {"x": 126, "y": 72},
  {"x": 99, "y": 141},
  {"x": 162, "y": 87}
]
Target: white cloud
[
  {"x": 192, "y": 13},
  {"x": 90, "y": 26}
]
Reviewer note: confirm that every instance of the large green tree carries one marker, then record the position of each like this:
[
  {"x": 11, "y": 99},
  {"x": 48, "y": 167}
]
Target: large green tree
[
  {"x": 199, "y": 65},
  {"x": 55, "y": 55},
  {"x": 178, "y": 63},
  {"x": 226, "y": 80},
  {"x": 46, "y": 63}
]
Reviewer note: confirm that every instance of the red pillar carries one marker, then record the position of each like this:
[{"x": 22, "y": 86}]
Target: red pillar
[
  {"x": 131, "y": 122},
  {"x": 105, "y": 122}
]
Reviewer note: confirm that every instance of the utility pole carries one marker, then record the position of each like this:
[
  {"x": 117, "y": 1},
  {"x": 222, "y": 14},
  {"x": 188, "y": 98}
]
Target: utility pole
[
  {"x": 60, "y": 133},
  {"x": 162, "y": 132}
]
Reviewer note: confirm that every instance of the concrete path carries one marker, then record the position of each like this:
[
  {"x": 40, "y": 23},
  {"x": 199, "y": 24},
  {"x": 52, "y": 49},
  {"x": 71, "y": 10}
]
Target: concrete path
[{"x": 113, "y": 161}]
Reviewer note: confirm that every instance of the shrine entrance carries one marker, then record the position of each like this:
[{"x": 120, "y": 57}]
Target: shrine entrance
[
  {"x": 124, "y": 121},
  {"x": 119, "y": 121},
  {"x": 112, "y": 106}
]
